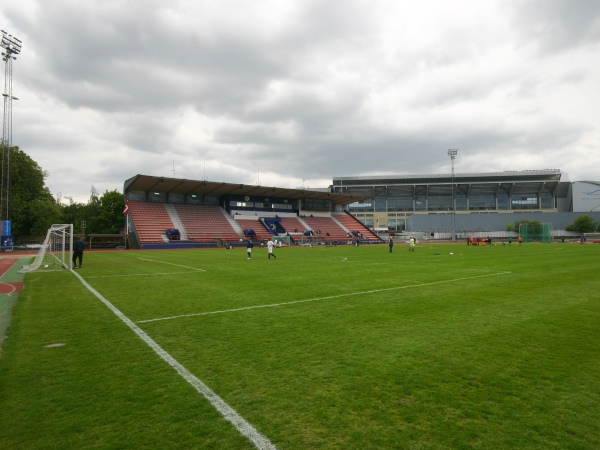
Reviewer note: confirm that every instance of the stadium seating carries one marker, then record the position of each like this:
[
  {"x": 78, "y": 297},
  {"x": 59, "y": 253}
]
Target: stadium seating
[
  {"x": 206, "y": 223},
  {"x": 353, "y": 224},
  {"x": 210, "y": 224},
  {"x": 254, "y": 224},
  {"x": 326, "y": 225},
  {"x": 151, "y": 220},
  {"x": 292, "y": 225}
]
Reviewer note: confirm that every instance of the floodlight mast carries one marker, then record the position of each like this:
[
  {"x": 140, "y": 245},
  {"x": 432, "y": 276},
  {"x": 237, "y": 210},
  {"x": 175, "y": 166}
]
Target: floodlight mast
[
  {"x": 452, "y": 154},
  {"x": 12, "y": 47}
]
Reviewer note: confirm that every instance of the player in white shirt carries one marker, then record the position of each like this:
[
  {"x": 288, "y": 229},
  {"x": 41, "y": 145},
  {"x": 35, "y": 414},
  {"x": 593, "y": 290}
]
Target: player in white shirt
[{"x": 270, "y": 245}]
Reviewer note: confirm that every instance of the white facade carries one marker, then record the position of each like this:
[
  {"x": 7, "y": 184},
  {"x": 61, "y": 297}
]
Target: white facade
[{"x": 586, "y": 196}]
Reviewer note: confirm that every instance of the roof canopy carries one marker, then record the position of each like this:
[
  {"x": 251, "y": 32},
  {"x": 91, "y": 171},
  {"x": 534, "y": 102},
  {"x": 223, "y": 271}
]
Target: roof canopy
[{"x": 147, "y": 183}]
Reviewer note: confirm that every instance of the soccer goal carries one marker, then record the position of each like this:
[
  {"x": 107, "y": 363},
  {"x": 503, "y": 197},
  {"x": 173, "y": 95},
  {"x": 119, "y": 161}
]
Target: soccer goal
[
  {"x": 281, "y": 240},
  {"x": 55, "y": 253},
  {"x": 532, "y": 233}
]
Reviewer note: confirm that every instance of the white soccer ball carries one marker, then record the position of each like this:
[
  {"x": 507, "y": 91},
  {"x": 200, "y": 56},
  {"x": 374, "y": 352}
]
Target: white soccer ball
[
  {"x": 451, "y": 253},
  {"x": 46, "y": 266}
]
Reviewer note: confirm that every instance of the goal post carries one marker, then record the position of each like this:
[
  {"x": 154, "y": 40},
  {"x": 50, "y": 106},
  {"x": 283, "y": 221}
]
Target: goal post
[
  {"x": 535, "y": 232},
  {"x": 281, "y": 240},
  {"x": 55, "y": 253}
]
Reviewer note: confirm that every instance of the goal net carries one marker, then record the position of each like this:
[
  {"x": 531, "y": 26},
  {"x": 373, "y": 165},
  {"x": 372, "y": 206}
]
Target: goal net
[
  {"x": 281, "y": 240},
  {"x": 532, "y": 233},
  {"x": 55, "y": 252}
]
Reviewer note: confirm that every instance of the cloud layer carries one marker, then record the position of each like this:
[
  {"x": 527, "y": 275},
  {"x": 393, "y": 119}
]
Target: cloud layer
[{"x": 294, "y": 93}]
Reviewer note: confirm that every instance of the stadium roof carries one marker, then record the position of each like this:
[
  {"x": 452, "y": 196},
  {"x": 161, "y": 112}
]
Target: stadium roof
[
  {"x": 147, "y": 183},
  {"x": 547, "y": 175}
]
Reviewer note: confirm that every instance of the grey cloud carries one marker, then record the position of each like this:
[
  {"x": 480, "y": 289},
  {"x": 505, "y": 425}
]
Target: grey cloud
[{"x": 557, "y": 25}]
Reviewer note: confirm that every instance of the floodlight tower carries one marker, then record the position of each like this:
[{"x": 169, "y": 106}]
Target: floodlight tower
[
  {"x": 12, "y": 47},
  {"x": 452, "y": 154}
]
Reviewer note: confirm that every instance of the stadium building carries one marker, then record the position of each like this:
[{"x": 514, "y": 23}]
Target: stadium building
[
  {"x": 170, "y": 211},
  {"x": 475, "y": 202}
]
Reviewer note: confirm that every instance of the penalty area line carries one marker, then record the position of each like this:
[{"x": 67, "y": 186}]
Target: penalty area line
[
  {"x": 172, "y": 264},
  {"x": 136, "y": 275},
  {"x": 244, "y": 428},
  {"x": 329, "y": 297}
]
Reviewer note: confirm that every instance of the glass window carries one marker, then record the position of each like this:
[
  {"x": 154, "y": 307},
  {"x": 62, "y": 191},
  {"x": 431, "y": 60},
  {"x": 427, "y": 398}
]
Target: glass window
[
  {"x": 401, "y": 203},
  {"x": 195, "y": 199},
  {"x": 211, "y": 200},
  {"x": 503, "y": 201},
  {"x": 461, "y": 202},
  {"x": 525, "y": 201},
  {"x": 317, "y": 204},
  {"x": 361, "y": 206},
  {"x": 157, "y": 197},
  {"x": 397, "y": 224},
  {"x": 380, "y": 203},
  {"x": 136, "y": 195},
  {"x": 176, "y": 198},
  {"x": 482, "y": 202},
  {"x": 439, "y": 203},
  {"x": 547, "y": 200}
]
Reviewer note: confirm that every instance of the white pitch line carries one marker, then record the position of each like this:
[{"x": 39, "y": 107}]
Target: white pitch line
[
  {"x": 172, "y": 264},
  {"x": 136, "y": 275},
  {"x": 273, "y": 305},
  {"x": 247, "y": 430}
]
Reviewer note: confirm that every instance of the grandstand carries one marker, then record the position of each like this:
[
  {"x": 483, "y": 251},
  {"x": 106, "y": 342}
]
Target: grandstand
[{"x": 203, "y": 213}]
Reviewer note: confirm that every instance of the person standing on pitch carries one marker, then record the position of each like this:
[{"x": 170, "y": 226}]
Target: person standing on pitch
[
  {"x": 249, "y": 246},
  {"x": 78, "y": 247},
  {"x": 411, "y": 243},
  {"x": 270, "y": 250},
  {"x": 391, "y": 244}
]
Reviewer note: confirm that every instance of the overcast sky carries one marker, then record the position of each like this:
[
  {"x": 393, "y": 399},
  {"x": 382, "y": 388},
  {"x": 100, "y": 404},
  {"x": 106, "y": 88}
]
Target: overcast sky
[{"x": 291, "y": 93}]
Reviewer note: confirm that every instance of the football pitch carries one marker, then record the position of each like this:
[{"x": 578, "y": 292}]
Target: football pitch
[{"x": 447, "y": 347}]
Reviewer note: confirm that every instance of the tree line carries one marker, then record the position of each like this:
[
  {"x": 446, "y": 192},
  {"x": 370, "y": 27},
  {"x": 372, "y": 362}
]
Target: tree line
[{"x": 33, "y": 209}]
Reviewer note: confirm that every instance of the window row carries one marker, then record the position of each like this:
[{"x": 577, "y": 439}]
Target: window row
[{"x": 480, "y": 202}]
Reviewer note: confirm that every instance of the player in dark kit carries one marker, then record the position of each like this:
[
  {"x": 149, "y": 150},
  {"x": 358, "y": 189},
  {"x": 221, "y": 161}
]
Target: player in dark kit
[
  {"x": 249, "y": 246},
  {"x": 78, "y": 247}
]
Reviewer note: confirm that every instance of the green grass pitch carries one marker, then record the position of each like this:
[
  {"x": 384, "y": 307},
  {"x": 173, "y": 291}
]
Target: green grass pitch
[{"x": 322, "y": 348}]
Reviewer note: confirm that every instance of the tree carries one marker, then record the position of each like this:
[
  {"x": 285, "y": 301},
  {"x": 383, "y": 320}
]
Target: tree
[
  {"x": 74, "y": 213},
  {"x": 583, "y": 224},
  {"x": 102, "y": 215},
  {"x": 42, "y": 213},
  {"x": 110, "y": 219},
  {"x": 27, "y": 191},
  {"x": 92, "y": 211},
  {"x": 518, "y": 224}
]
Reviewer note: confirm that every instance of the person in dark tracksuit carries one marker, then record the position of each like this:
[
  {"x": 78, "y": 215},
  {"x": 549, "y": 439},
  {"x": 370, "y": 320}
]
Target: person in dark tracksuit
[
  {"x": 78, "y": 247},
  {"x": 249, "y": 246},
  {"x": 391, "y": 244}
]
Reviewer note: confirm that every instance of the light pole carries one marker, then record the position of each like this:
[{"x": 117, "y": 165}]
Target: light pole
[
  {"x": 12, "y": 47},
  {"x": 452, "y": 154}
]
